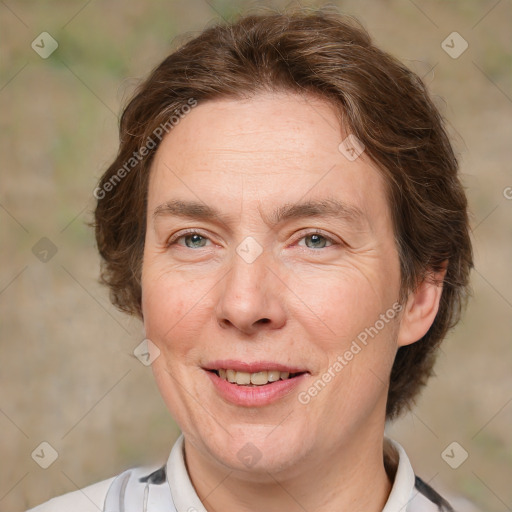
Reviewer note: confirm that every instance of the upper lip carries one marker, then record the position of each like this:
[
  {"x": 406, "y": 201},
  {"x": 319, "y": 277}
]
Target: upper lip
[{"x": 254, "y": 367}]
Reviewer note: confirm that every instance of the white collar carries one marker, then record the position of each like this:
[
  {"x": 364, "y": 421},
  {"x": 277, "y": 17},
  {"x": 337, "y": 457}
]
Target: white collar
[
  {"x": 403, "y": 484},
  {"x": 183, "y": 493}
]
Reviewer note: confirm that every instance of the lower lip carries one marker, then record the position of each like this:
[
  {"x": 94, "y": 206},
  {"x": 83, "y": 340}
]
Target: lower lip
[{"x": 254, "y": 396}]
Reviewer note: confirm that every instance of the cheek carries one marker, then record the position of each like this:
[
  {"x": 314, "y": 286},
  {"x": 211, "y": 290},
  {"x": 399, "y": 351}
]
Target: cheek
[
  {"x": 337, "y": 304},
  {"x": 171, "y": 307},
  {"x": 341, "y": 313}
]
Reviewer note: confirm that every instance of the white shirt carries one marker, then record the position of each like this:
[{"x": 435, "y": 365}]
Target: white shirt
[{"x": 169, "y": 489}]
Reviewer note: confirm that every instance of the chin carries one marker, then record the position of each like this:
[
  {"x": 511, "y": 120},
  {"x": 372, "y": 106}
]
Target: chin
[{"x": 256, "y": 450}]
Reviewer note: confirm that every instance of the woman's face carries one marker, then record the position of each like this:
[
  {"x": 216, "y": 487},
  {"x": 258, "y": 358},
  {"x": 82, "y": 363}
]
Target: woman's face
[{"x": 269, "y": 252}]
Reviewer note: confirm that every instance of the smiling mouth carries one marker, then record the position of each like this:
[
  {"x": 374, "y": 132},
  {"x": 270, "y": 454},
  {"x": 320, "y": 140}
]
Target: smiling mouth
[{"x": 254, "y": 379}]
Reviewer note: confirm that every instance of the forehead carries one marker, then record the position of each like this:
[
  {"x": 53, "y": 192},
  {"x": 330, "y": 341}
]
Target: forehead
[{"x": 272, "y": 150}]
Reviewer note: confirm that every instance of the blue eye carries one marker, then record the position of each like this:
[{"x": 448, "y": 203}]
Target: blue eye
[
  {"x": 193, "y": 240},
  {"x": 318, "y": 241},
  {"x": 196, "y": 240}
]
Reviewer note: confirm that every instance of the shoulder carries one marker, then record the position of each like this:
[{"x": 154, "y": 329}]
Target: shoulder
[
  {"x": 93, "y": 498},
  {"x": 88, "y": 499}
]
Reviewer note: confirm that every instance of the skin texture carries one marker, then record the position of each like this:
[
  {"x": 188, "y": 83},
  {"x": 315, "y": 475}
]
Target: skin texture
[{"x": 203, "y": 302}]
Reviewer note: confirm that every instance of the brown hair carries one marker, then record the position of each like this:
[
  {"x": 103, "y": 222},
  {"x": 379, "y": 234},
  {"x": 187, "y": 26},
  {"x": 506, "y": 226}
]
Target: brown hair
[{"x": 384, "y": 104}]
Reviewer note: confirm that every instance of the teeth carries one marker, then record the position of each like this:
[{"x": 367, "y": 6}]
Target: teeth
[
  {"x": 243, "y": 378},
  {"x": 259, "y": 378},
  {"x": 274, "y": 375},
  {"x": 255, "y": 379}
]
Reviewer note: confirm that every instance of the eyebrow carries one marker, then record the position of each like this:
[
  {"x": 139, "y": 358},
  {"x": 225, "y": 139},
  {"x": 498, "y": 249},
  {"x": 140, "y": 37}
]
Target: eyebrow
[{"x": 329, "y": 208}]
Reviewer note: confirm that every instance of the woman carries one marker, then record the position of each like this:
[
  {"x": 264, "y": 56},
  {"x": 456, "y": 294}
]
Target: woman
[{"x": 286, "y": 218}]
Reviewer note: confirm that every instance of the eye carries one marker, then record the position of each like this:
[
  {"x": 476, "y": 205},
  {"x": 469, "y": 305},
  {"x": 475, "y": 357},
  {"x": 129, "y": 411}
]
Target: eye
[
  {"x": 316, "y": 240},
  {"x": 197, "y": 240},
  {"x": 192, "y": 239}
]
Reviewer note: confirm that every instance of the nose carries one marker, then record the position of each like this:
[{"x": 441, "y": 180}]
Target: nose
[{"x": 251, "y": 296}]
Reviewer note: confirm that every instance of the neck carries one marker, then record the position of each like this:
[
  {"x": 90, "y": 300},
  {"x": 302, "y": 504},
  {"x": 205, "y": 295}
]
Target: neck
[{"x": 337, "y": 480}]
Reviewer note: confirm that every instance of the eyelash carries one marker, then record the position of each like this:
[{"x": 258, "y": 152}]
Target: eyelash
[{"x": 172, "y": 240}]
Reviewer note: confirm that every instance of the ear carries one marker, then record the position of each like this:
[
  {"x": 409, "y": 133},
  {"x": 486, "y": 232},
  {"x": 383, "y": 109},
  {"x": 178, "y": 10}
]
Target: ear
[{"x": 421, "y": 308}]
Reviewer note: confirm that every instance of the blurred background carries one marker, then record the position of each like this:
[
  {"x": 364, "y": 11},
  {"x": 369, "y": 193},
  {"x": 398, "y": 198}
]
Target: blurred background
[{"x": 68, "y": 376}]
